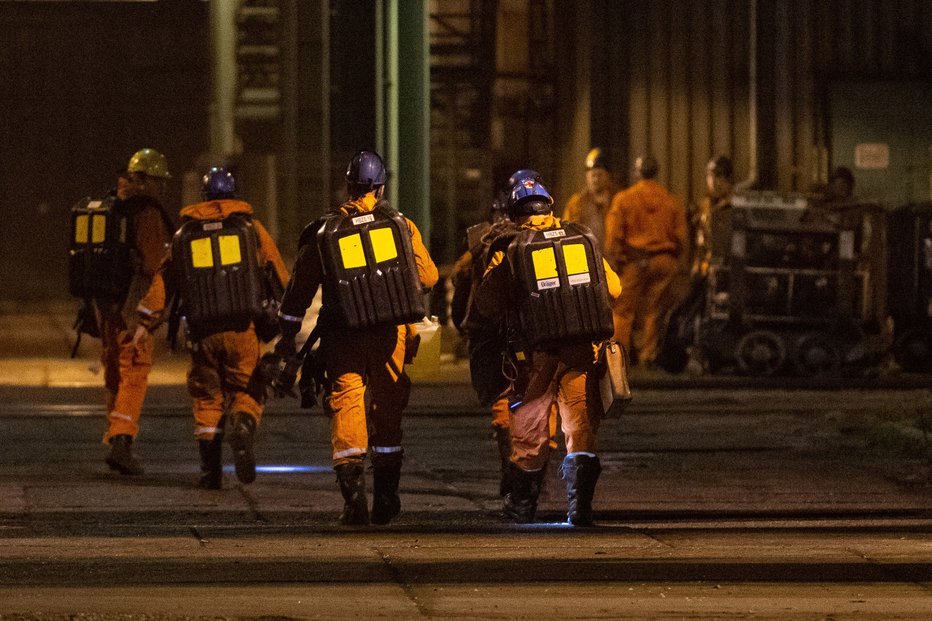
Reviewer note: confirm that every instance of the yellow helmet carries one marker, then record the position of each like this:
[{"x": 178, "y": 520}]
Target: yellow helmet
[
  {"x": 149, "y": 162},
  {"x": 596, "y": 158}
]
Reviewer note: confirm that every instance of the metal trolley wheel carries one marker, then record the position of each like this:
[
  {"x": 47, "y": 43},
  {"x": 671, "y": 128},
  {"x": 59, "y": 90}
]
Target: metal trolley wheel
[
  {"x": 816, "y": 355},
  {"x": 760, "y": 352}
]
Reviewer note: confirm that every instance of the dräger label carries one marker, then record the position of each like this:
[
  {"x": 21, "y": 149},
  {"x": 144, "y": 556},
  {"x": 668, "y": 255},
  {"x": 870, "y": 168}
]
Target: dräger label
[
  {"x": 213, "y": 226},
  {"x": 554, "y": 233},
  {"x": 548, "y": 283},
  {"x": 363, "y": 219},
  {"x": 579, "y": 279}
]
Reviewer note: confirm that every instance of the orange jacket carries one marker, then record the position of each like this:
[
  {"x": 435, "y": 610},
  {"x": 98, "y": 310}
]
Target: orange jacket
[
  {"x": 152, "y": 306},
  {"x": 151, "y": 234},
  {"x": 645, "y": 218}
]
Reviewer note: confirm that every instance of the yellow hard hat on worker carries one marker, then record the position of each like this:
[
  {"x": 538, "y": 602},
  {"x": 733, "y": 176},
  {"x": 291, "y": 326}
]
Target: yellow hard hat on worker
[{"x": 149, "y": 162}]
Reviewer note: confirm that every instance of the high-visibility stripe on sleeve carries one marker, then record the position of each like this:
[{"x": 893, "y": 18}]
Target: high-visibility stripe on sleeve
[
  {"x": 387, "y": 449},
  {"x": 120, "y": 416},
  {"x": 290, "y": 317}
]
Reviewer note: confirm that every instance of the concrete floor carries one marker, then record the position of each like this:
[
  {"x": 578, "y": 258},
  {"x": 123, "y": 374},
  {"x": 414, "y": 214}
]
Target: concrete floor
[{"x": 712, "y": 504}]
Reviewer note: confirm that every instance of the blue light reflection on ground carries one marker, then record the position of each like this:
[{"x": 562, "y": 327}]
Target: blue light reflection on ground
[{"x": 286, "y": 469}]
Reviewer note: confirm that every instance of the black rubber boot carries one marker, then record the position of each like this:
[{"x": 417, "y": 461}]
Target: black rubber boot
[
  {"x": 520, "y": 504},
  {"x": 503, "y": 438},
  {"x": 580, "y": 473},
  {"x": 386, "y": 472},
  {"x": 121, "y": 456},
  {"x": 211, "y": 462},
  {"x": 242, "y": 437},
  {"x": 352, "y": 480}
]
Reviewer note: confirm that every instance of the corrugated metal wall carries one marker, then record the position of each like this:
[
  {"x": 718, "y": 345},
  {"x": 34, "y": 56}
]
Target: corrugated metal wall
[{"x": 672, "y": 78}]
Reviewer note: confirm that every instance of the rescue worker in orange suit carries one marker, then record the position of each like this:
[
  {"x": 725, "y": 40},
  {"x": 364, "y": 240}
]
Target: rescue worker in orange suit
[
  {"x": 361, "y": 358},
  {"x": 554, "y": 377},
  {"x": 222, "y": 361},
  {"x": 645, "y": 234},
  {"x": 590, "y": 205},
  {"x": 127, "y": 361},
  {"x": 713, "y": 222},
  {"x": 484, "y": 337}
]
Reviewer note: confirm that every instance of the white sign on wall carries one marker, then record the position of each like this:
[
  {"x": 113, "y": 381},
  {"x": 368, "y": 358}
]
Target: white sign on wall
[{"x": 872, "y": 156}]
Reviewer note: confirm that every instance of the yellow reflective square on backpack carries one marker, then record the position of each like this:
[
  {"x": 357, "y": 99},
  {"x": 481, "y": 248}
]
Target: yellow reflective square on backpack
[
  {"x": 201, "y": 253},
  {"x": 383, "y": 244},
  {"x": 351, "y": 252},
  {"x": 229, "y": 250},
  {"x": 574, "y": 255},
  {"x": 545, "y": 263},
  {"x": 98, "y": 229},
  {"x": 80, "y": 230}
]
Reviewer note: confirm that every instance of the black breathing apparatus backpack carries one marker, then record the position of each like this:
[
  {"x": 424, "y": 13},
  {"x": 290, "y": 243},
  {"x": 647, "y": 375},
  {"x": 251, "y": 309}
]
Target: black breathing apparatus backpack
[
  {"x": 216, "y": 271},
  {"x": 101, "y": 258},
  {"x": 561, "y": 292},
  {"x": 370, "y": 274}
]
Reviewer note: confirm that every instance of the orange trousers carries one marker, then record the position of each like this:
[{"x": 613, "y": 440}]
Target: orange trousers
[
  {"x": 126, "y": 374},
  {"x": 501, "y": 415},
  {"x": 355, "y": 361},
  {"x": 501, "y": 419},
  {"x": 221, "y": 365},
  {"x": 555, "y": 383},
  {"x": 642, "y": 285}
]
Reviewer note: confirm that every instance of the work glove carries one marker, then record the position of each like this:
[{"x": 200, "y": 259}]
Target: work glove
[
  {"x": 264, "y": 376},
  {"x": 312, "y": 379},
  {"x": 285, "y": 347},
  {"x": 289, "y": 362}
]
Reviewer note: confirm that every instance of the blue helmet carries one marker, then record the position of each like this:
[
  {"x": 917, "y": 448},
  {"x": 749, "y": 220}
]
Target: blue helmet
[
  {"x": 365, "y": 170},
  {"x": 218, "y": 183},
  {"x": 529, "y": 197},
  {"x": 521, "y": 175}
]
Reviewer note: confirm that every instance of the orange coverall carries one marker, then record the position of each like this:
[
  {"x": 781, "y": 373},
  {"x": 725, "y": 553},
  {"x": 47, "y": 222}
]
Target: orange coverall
[
  {"x": 582, "y": 208},
  {"x": 553, "y": 380},
  {"x": 358, "y": 359},
  {"x": 645, "y": 233},
  {"x": 467, "y": 272},
  {"x": 127, "y": 364},
  {"x": 221, "y": 363}
]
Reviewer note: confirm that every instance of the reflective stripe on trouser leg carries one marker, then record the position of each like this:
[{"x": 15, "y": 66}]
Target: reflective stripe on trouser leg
[
  {"x": 206, "y": 433},
  {"x": 348, "y": 455},
  {"x": 387, "y": 450}
]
